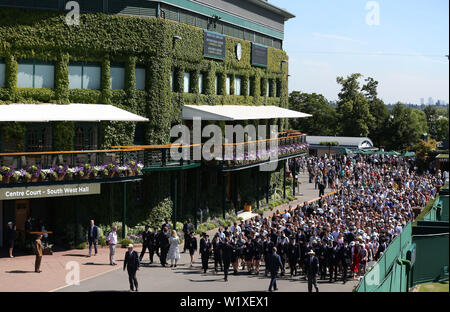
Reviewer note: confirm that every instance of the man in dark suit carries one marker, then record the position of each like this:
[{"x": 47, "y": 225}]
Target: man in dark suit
[
  {"x": 345, "y": 255},
  {"x": 227, "y": 253},
  {"x": 205, "y": 251},
  {"x": 274, "y": 264},
  {"x": 146, "y": 243},
  {"x": 92, "y": 235},
  {"x": 166, "y": 224},
  {"x": 268, "y": 246},
  {"x": 191, "y": 246},
  {"x": 293, "y": 256},
  {"x": 312, "y": 269},
  {"x": 132, "y": 264},
  {"x": 164, "y": 245},
  {"x": 333, "y": 260},
  {"x": 28, "y": 236}
]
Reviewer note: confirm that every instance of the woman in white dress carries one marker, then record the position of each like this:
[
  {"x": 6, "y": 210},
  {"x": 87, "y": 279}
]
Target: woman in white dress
[{"x": 174, "y": 252}]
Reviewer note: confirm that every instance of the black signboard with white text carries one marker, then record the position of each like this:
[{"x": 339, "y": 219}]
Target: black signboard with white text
[
  {"x": 259, "y": 55},
  {"x": 214, "y": 45}
]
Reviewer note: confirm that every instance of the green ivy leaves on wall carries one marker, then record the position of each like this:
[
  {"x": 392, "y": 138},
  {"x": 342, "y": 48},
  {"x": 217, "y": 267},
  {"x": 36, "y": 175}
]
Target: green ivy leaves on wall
[{"x": 63, "y": 136}]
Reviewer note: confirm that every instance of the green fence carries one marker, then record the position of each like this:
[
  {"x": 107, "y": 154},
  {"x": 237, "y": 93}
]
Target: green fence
[
  {"x": 432, "y": 254},
  {"x": 387, "y": 275}
]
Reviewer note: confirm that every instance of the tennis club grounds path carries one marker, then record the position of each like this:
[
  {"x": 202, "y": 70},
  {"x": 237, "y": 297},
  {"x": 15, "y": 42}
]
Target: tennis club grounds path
[{"x": 17, "y": 274}]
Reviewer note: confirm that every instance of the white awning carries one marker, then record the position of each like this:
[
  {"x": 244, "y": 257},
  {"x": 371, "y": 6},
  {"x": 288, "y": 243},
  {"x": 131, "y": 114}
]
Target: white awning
[
  {"x": 238, "y": 112},
  {"x": 62, "y": 112}
]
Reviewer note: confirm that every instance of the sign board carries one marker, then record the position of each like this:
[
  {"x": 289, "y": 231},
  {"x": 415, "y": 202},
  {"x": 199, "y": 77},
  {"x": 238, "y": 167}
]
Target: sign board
[
  {"x": 260, "y": 55},
  {"x": 31, "y": 192},
  {"x": 214, "y": 45}
]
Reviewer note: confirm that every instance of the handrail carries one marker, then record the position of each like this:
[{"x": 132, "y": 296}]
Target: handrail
[
  {"x": 168, "y": 146},
  {"x": 72, "y": 152}
]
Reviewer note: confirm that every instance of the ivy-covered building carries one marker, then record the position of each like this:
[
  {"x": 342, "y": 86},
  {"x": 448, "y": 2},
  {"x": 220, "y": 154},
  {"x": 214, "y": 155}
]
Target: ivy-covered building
[{"x": 149, "y": 58}]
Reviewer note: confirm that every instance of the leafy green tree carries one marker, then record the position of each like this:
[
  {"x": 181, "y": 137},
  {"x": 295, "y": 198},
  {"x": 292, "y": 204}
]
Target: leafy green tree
[
  {"x": 379, "y": 111},
  {"x": 442, "y": 129},
  {"x": 423, "y": 150},
  {"x": 353, "y": 112},
  {"x": 432, "y": 120},
  {"x": 406, "y": 126},
  {"x": 323, "y": 120}
]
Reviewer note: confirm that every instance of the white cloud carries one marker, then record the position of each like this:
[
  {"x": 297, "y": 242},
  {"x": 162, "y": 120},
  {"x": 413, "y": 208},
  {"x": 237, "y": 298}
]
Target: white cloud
[{"x": 336, "y": 37}]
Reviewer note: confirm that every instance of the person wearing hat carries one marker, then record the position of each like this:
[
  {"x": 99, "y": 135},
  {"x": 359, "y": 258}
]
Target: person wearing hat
[
  {"x": 11, "y": 237},
  {"x": 205, "y": 251},
  {"x": 132, "y": 264},
  {"x": 38, "y": 251},
  {"x": 312, "y": 269}
]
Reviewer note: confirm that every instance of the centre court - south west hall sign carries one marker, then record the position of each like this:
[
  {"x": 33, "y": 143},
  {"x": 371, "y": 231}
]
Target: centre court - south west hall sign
[{"x": 31, "y": 192}]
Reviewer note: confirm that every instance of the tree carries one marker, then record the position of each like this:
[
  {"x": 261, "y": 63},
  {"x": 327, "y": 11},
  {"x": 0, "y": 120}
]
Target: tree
[
  {"x": 432, "y": 117},
  {"x": 423, "y": 150},
  {"x": 323, "y": 120},
  {"x": 353, "y": 108},
  {"x": 442, "y": 129},
  {"x": 405, "y": 127},
  {"x": 379, "y": 111}
]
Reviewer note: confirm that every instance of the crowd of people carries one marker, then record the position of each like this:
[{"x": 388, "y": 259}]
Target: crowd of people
[
  {"x": 331, "y": 239},
  {"x": 374, "y": 201}
]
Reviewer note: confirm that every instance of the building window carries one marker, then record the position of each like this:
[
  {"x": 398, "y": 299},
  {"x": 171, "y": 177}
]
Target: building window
[
  {"x": 268, "y": 88},
  {"x": 39, "y": 138},
  {"x": 237, "y": 85},
  {"x": 2, "y": 74},
  {"x": 228, "y": 83},
  {"x": 117, "y": 73},
  {"x": 187, "y": 82},
  {"x": 278, "y": 88},
  {"x": 251, "y": 82},
  {"x": 84, "y": 76},
  {"x": 34, "y": 74},
  {"x": 200, "y": 83},
  {"x": 139, "y": 72},
  {"x": 86, "y": 137}
]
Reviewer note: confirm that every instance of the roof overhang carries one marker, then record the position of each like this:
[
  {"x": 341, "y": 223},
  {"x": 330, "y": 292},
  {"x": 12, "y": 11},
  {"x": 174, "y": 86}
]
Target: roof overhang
[
  {"x": 62, "y": 112},
  {"x": 269, "y": 6},
  {"x": 238, "y": 112}
]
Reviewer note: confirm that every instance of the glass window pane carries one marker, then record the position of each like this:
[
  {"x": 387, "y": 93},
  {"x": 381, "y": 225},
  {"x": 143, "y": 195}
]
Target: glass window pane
[
  {"x": 44, "y": 76},
  {"x": 75, "y": 73},
  {"x": 200, "y": 84},
  {"x": 2, "y": 75},
  {"x": 237, "y": 85},
  {"x": 250, "y": 85},
  {"x": 140, "y": 78},
  {"x": 117, "y": 78},
  {"x": 91, "y": 77},
  {"x": 228, "y": 84},
  {"x": 25, "y": 76},
  {"x": 187, "y": 82}
]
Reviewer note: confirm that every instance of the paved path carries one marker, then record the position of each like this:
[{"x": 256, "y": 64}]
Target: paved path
[{"x": 17, "y": 274}]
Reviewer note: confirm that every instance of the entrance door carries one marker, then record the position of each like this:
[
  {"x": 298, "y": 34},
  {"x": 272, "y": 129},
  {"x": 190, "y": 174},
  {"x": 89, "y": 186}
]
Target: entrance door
[{"x": 21, "y": 211}]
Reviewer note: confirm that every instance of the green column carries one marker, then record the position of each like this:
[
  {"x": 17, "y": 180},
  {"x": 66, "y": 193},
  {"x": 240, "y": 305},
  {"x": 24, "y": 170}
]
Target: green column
[
  {"x": 284, "y": 179},
  {"x": 257, "y": 188},
  {"x": 224, "y": 193},
  {"x": 267, "y": 186},
  {"x": 294, "y": 180},
  {"x": 124, "y": 217},
  {"x": 196, "y": 196},
  {"x": 175, "y": 199}
]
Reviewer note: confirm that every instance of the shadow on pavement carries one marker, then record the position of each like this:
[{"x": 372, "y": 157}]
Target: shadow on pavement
[{"x": 19, "y": 272}]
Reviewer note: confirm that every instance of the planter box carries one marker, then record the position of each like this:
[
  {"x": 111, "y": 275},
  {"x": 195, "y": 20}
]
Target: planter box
[{"x": 247, "y": 208}]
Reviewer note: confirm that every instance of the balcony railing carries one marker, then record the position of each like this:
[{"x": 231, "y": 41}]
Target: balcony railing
[{"x": 123, "y": 161}]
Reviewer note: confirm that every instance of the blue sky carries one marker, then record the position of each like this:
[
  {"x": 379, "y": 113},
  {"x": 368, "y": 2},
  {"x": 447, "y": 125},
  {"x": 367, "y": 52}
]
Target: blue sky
[{"x": 405, "y": 52}]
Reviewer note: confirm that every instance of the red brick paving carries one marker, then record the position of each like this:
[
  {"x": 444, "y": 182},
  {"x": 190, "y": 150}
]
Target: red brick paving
[{"x": 17, "y": 274}]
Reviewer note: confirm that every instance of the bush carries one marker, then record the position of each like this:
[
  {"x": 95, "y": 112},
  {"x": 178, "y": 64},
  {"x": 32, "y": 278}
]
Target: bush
[
  {"x": 102, "y": 240},
  {"x": 125, "y": 242},
  {"x": 179, "y": 227},
  {"x": 159, "y": 213},
  {"x": 81, "y": 245}
]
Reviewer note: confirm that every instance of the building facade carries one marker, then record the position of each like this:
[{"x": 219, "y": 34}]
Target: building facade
[{"x": 149, "y": 58}]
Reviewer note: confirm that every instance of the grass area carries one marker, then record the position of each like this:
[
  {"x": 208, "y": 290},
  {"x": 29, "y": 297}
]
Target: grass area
[{"x": 434, "y": 287}]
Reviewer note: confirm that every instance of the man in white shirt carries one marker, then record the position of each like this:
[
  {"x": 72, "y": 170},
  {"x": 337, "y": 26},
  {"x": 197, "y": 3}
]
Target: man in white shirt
[{"x": 112, "y": 241}]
